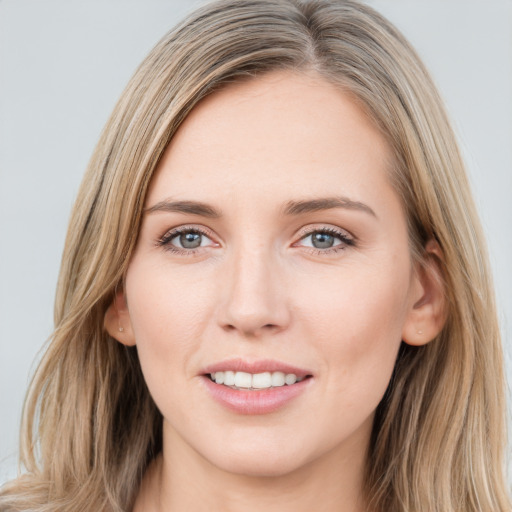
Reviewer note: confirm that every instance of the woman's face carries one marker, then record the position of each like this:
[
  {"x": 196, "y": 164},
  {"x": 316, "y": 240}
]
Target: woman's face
[{"x": 272, "y": 245}]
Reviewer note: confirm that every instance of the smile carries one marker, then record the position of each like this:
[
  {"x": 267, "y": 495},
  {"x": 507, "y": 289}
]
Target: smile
[
  {"x": 256, "y": 381},
  {"x": 255, "y": 387}
]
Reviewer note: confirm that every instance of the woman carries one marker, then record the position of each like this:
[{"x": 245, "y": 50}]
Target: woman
[{"x": 274, "y": 290}]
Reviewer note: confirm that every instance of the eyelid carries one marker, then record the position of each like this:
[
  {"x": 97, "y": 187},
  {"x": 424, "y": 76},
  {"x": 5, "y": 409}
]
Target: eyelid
[
  {"x": 170, "y": 234},
  {"x": 345, "y": 237},
  {"x": 327, "y": 228}
]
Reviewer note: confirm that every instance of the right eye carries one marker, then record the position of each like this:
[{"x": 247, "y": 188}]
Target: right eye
[{"x": 185, "y": 240}]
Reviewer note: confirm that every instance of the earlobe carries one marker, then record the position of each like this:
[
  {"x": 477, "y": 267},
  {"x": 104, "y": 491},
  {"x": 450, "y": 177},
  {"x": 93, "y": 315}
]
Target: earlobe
[
  {"x": 117, "y": 320},
  {"x": 427, "y": 314}
]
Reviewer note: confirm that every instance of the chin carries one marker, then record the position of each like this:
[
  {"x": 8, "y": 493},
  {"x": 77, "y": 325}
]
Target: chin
[{"x": 262, "y": 462}]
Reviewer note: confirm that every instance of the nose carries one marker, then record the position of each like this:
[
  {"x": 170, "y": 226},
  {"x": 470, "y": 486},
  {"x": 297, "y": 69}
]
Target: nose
[{"x": 254, "y": 299}]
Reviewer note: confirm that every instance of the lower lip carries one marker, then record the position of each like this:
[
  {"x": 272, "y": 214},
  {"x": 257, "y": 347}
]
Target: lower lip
[{"x": 263, "y": 401}]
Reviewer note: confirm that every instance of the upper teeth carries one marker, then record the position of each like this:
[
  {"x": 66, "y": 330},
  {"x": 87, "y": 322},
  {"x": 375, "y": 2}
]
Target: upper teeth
[{"x": 255, "y": 381}]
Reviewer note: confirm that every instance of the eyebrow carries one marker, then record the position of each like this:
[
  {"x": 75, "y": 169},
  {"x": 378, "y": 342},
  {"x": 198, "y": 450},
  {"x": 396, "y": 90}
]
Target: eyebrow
[
  {"x": 325, "y": 203},
  {"x": 291, "y": 208},
  {"x": 187, "y": 207}
]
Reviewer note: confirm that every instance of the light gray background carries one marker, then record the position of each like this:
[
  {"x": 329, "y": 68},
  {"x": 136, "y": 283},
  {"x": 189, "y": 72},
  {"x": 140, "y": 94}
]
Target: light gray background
[{"x": 63, "y": 64}]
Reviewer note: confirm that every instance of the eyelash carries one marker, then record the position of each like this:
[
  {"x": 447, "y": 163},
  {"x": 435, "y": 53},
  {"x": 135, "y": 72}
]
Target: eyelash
[
  {"x": 346, "y": 240},
  {"x": 343, "y": 236},
  {"x": 165, "y": 241}
]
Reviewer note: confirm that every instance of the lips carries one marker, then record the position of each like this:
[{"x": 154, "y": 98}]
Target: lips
[
  {"x": 254, "y": 367},
  {"x": 257, "y": 387}
]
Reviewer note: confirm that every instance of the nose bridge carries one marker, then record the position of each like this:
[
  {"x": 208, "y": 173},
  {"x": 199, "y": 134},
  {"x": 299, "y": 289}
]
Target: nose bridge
[{"x": 254, "y": 296}]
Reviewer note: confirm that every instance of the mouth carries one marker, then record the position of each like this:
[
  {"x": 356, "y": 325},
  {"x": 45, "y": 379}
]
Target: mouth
[
  {"x": 255, "y": 381},
  {"x": 258, "y": 387}
]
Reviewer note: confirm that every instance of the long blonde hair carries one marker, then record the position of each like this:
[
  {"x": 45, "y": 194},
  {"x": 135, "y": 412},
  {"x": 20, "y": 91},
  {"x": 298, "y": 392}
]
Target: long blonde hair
[{"x": 90, "y": 427}]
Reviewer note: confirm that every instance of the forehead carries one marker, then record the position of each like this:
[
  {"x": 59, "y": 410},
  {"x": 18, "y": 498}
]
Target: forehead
[{"x": 274, "y": 138}]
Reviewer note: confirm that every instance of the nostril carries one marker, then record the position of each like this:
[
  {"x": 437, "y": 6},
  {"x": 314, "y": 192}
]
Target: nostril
[{"x": 250, "y": 330}]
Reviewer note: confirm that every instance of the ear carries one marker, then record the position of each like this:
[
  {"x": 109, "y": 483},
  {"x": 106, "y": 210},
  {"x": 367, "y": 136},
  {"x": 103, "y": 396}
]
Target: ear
[
  {"x": 427, "y": 313},
  {"x": 117, "y": 320}
]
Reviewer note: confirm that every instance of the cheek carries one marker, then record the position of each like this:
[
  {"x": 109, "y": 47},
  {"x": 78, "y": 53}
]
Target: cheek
[
  {"x": 165, "y": 306},
  {"x": 356, "y": 321},
  {"x": 368, "y": 303},
  {"x": 167, "y": 316}
]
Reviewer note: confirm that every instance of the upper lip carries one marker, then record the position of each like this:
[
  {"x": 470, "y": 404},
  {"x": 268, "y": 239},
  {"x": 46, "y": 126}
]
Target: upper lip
[{"x": 259, "y": 366}]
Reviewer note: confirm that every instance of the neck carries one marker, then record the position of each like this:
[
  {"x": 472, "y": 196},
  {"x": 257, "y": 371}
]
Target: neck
[{"x": 181, "y": 479}]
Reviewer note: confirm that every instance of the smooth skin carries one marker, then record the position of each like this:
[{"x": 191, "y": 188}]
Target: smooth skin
[{"x": 331, "y": 289}]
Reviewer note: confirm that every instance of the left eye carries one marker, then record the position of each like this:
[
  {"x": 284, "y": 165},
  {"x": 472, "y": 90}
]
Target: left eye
[{"x": 325, "y": 240}]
